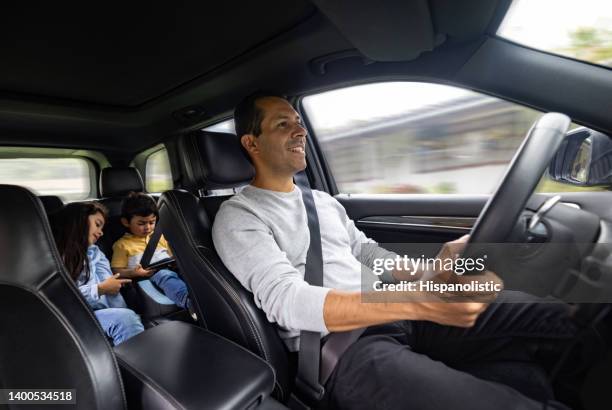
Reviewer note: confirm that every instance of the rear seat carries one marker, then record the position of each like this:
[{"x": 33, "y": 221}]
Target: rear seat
[
  {"x": 51, "y": 203},
  {"x": 143, "y": 297},
  {"x": 115, "y": 184}
]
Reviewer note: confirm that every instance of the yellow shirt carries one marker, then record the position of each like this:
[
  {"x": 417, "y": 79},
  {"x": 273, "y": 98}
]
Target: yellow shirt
[{"x": 128, "y": 250}]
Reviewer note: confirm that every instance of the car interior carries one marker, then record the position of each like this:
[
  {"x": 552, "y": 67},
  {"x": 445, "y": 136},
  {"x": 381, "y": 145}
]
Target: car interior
[{"x": 136, "y": 98}]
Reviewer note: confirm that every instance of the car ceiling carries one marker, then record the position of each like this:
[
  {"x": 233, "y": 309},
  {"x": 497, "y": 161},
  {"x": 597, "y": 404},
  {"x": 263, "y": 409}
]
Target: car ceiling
[{"x": 121, "y": 78}]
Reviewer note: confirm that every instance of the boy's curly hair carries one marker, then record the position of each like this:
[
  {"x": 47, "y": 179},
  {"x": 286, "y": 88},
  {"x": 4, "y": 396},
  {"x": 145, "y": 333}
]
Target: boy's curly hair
[{"x": 138, "y": 204}]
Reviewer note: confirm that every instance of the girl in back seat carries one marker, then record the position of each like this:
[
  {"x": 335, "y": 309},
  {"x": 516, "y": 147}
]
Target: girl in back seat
[{"x": 77, "y": 227}]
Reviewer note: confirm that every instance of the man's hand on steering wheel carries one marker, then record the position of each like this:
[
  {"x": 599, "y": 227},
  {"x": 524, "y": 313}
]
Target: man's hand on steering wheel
[{"x": 453, "y": 250}]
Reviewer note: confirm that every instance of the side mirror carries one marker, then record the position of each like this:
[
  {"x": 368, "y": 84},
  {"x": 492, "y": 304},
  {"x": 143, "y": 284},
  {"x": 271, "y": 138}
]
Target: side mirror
[{"x": 584, "y": 158}]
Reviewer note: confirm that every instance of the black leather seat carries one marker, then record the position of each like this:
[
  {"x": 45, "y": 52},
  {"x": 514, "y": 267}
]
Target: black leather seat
[
  {"x": 51, "y": 203},
  {"x": 214, "y": 161},
  {"x": 50, "y": 338},
  {"x": 115, "y": 184}
]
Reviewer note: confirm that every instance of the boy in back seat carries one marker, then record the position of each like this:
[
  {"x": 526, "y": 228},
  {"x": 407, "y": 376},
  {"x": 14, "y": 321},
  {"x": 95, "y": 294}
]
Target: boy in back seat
[{"x": 139, "y": 214}]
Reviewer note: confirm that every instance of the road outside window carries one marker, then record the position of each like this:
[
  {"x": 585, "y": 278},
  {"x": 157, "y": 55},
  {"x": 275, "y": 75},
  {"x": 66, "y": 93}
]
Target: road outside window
[{"x": 406, "y": 137}]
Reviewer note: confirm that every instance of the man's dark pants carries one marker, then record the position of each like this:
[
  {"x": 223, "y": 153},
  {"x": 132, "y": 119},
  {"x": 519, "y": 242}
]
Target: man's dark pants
[{"x": 423, "y": 365}]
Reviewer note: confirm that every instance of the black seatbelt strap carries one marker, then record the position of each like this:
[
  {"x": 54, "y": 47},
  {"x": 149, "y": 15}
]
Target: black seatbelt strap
[
  {"x": 315, "y": 365},
  {"x": 307, "y": 379},
  {"x": 337, "y": 343},
  {"x": 151, "y": 246}
]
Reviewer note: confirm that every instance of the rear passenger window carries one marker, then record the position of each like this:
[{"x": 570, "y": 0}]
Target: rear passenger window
[
  {"x": 407, "y": 137},
  {"x": 158, "y": 177},
  {"x": 68, "y": 178}
]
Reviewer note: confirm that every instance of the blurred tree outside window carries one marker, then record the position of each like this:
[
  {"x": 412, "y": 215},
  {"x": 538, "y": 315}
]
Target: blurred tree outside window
[{"x": 580, "y": 29}]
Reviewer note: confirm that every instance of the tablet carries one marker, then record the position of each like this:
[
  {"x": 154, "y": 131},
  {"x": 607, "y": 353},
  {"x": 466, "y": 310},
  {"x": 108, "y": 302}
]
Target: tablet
[{"x": 160, "y": 264}]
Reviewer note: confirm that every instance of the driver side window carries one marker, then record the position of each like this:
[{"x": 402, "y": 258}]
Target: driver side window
[{"x": 409, "y": 137}]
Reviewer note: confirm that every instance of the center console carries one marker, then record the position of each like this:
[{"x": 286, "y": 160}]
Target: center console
[{"x": 179, "y": 365}]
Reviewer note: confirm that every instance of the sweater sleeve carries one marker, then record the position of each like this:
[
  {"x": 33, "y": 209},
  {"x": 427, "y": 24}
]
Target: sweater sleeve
[
  {"x": 365, "y": 254},
  {"x": 248, "y": 249}
]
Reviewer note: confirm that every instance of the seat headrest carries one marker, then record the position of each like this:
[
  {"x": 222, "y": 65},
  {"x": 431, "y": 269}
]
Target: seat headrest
[
  {"x": 51, "y": 203},
  {"x": 214, "y": 160},
  {"x": 120, "y": 181},
  {"x": 27, "y": 248}
]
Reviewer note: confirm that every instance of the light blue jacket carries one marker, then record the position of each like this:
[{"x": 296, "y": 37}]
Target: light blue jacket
[{"x": 100, "y": 270}]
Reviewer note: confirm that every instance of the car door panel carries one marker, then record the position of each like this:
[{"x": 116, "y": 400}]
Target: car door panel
[
  {"x": 419, "y": 219},
  {"x": 413, "y": 219}
]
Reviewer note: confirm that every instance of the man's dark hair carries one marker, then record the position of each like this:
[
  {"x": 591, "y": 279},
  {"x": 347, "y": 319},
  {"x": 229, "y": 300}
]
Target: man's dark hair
[
  {"x": 248, "y": 116},
  {"x": 138, "y": 204}
]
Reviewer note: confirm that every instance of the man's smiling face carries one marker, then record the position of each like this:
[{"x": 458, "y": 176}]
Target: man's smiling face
[{"x": 280, "y": 147}]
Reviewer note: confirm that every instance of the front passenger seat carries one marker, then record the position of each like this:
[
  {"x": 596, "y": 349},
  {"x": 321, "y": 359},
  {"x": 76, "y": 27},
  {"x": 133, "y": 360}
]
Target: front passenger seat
[
  {"x": 214, "y": 161},
  {"x": 50, "y": 338}
]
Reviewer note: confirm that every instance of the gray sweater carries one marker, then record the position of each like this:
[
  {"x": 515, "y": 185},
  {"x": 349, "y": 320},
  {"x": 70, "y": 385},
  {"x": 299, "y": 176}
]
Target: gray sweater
[{"x": 262, "y": 237}]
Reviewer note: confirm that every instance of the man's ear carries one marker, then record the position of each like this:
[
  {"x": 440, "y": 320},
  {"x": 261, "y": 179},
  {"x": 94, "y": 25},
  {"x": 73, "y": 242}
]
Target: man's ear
[
  {"x": 125, "y": 222},
  {"x": 249, "y": 142}
]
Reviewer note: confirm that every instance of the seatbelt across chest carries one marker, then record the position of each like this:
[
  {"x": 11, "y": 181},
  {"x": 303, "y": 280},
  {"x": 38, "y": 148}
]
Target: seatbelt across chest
[
  {"x": 147, "y": 255},
  {"x": 315, "y": 365},
  {"x": 307, "y": 379}
]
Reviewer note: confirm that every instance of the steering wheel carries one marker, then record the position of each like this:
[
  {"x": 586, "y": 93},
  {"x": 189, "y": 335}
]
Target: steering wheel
[{"x": 501, "y": 212}]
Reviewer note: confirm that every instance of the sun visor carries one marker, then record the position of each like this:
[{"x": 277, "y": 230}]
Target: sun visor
[{"x": 384, "y": 30}]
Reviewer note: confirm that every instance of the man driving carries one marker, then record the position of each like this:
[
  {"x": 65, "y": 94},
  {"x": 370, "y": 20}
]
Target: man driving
[{"x": 421, "y": 353}]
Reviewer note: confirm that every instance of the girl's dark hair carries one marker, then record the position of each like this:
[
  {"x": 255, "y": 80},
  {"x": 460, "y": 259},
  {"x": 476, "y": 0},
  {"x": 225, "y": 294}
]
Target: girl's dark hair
[
  {"x": 71, "y": 232},
  {"x": 138, "y": 204}
]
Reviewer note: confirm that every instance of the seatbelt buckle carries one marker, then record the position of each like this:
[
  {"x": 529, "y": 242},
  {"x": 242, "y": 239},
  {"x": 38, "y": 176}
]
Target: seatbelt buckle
[
  {"x": 294, "y": 403},
  {"x": 308, "y": 394}
]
